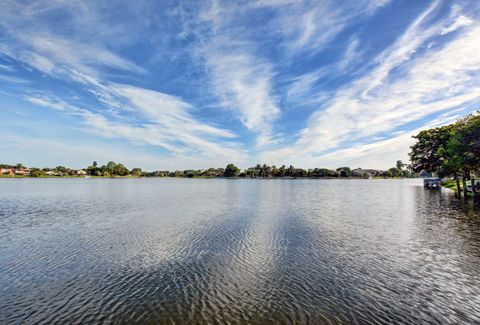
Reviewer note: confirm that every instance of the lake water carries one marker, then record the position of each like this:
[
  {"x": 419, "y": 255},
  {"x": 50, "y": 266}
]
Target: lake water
[{"x": 117, "y": 251}]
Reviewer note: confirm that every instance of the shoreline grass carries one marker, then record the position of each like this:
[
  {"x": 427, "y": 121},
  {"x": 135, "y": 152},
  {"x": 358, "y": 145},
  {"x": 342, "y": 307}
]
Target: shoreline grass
[{"x": 452, "y": 185}]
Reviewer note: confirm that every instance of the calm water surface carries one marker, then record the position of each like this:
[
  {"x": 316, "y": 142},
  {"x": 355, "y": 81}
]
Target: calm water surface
[{"x": 116, "y": 251}]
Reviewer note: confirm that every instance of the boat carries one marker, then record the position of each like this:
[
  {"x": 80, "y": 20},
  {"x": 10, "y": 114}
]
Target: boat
[{"x": 432, "y": 182}]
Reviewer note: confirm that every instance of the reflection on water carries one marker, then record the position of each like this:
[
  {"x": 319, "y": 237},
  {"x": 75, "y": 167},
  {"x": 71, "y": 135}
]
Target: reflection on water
[{"x": 236, "y": 251}]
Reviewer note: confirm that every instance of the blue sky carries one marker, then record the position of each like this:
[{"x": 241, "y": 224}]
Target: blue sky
[{"x": 195, "y": 84}]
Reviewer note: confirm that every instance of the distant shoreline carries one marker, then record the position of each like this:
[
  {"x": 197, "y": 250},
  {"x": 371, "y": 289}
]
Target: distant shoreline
[
  {"x": 194, "y": 177},
  {"x": 118, "y": 170}
]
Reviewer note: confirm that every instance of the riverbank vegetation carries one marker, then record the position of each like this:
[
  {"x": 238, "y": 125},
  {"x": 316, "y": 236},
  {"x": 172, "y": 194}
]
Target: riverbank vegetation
[
  {"x": 113, "y": 169},
  {"x": 450, "y": 151}
]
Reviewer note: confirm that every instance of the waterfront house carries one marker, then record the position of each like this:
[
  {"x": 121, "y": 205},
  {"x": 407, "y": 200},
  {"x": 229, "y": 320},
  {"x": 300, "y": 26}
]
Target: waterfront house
[
  {"x": 15, "y": 171},
  {"x": 22, "y": 171},
  {"x": 81, "y": 172},
  {"x": 7, "y": 171}
]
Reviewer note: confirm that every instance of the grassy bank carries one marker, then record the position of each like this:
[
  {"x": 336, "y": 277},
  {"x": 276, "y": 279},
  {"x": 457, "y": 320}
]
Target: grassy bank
[{"x": 452, "y": 185}]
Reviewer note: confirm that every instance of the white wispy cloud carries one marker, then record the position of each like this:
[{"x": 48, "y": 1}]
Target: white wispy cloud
[
  {"x": 140, "y": 116},
  {"x": 381, "y": 153},
  {"x": 78, "y": 55},
  {"x": 244, "y": 85},
  {"x": 169, "y": 111},
  {"x": 260, "y": 60},
  {"x": 49, "y": 102},
  {"x": 163, "y": 121},
  {"x": 82, "y": 44},
  {"x": 79, "y": 154},
  {"x": 13, "y": 79},
  {"x": 239, "y": 77},
  {"x": 300, "y": 87},
  {"x": 350, "y": 56},
  {"x": 6, "y": 67},
  {"x": 410, "y": 82},
  {"x": 54, "y": 55},
  {"x": 303, "y": 89},
  {"x": 312, "y": 25}
]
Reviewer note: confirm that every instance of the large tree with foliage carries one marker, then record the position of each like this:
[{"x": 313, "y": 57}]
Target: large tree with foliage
[
  {"x": 136, "y": 171},
  {"x": 449, "y": 150},
  {"x": 36, "y": 172},
  {"x": 428, "y": 153},
  {"x": 464, "y": 144},
  {"x": 344, "y": 171},
  {"x": 231, "y": 170}
]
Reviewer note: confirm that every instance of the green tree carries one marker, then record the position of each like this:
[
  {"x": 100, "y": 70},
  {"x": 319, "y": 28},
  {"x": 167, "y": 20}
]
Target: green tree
[
  {"x": 190, "y": 173},
  {"x": 136, "y": 171},
  {"x": 400, "y": 164},
  {"x": 464, "y": 145},
  {"x": 210, "y": 172},
  {"x": 274, "y": 171},
  {"x": 394, "y": 172},
  {"x": 291, "y": 171},
  {"x": 61, "y": 169},
  {"x": 344, "y": 171},
  {"x": 92, "y": 170},
  {"x": 252, "y": 172},
  {"x": 231, "y": 170},
  {"x": 449, "y": 150},
  {"x": 36, "y": 172},
  {"x": 300, "y": 172},
  {"x": 323, "y": 172},
  {"x": 387, "y": 173},
  {"x": 120, "y": 170},
  {"x": 111, "y": 167},
  {"x": 428, "y": 153}
]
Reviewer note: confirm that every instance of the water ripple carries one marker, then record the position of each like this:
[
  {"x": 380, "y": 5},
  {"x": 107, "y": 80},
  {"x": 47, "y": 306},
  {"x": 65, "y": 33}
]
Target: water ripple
[{"x": 236, "y": 252}]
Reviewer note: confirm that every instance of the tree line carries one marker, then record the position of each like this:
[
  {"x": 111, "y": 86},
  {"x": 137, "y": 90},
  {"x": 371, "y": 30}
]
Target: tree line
[
  {"x": 113, "y": 169},
  {"x": 267, "y": 171},
  {"x": 450, "y": 151}
]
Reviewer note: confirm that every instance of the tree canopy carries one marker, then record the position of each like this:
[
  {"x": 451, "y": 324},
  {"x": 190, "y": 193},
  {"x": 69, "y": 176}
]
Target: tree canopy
[
  {"x": 231, "y": 170},
  {"x": 449, "y": 150}
]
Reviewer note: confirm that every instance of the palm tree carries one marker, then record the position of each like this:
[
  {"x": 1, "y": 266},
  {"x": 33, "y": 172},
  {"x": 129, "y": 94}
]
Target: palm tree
[
  {"x": 291, "y": 171},
  {"x": 258, "y": 169},
  {"x": 274, "y": 171}
]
